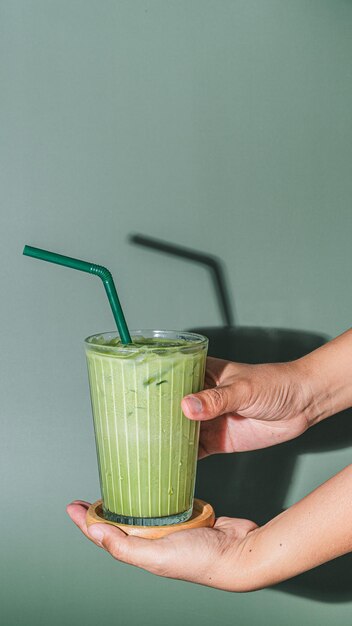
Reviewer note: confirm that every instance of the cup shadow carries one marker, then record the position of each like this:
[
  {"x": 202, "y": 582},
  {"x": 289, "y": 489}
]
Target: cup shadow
[{"x": 254, "y": 484}]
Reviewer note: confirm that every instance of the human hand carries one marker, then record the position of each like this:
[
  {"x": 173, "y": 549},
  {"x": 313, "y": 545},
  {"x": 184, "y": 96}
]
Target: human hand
[
  {"x": 217, "y": 557},
  {"x": 247, "y": 407},
  {"x": 236, "y": 554}
]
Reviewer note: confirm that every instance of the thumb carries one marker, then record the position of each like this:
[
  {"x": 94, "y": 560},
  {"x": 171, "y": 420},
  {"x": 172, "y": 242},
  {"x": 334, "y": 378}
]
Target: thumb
[{"x": 211, "y": 403}]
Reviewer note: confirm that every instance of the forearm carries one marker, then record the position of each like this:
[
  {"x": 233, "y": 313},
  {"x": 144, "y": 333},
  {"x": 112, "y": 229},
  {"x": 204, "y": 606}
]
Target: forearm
[
  {"x": 326, "y": 375},
  {"x": 311, "y": 532}
]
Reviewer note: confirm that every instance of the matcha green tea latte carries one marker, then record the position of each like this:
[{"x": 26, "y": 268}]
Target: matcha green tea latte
[{"x": 147, "y": 449}]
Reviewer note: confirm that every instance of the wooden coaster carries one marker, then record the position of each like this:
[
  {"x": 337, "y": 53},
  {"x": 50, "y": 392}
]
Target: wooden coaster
[{"x": 203, "y": 516}]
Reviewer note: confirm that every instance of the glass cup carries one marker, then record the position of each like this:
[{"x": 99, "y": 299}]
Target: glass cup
[{"x": 147, "y": 449}]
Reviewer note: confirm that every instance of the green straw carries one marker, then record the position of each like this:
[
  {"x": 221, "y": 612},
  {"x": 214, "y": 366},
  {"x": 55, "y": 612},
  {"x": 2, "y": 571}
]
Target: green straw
[{"x": 91, "y": 268}]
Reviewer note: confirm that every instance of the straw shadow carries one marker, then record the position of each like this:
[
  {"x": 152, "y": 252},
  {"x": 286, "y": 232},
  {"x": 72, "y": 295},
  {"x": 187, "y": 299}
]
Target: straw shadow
[
  {"x": 254, "y": 484},
  {"x": 209, "y": 261}
]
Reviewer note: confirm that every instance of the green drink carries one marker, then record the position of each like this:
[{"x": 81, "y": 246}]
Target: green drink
[{"x": 147, "y": 449}]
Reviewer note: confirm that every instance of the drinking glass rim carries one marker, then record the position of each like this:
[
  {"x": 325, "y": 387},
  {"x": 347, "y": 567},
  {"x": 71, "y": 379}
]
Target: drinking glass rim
[{"x": 196, "y": 339}]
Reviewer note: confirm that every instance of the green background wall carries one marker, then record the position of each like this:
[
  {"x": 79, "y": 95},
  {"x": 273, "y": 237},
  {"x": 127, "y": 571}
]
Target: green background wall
[{"x": 220, "y": 125}]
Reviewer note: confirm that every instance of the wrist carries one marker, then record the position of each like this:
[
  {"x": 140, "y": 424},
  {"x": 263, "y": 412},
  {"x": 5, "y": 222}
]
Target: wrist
[
  {"x": 270, "y": 554},
  {"x": 237, "y": 569},
  {"x": 326, "y": 378},
  {"x": 316, "y": 393},
  {"x": 256, "y": 569}
]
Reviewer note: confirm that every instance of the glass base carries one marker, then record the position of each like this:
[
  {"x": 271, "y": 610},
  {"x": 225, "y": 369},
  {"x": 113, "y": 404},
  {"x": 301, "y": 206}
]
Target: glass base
[{"x": 177, "y": 518}]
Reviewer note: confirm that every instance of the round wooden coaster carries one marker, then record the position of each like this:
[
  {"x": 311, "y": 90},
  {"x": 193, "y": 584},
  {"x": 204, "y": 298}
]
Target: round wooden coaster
[{"x": 203, "y": 516}]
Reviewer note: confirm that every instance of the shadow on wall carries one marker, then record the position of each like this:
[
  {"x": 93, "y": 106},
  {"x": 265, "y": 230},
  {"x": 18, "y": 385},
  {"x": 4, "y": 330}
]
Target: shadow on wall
[{"x": 254, "y": 484}]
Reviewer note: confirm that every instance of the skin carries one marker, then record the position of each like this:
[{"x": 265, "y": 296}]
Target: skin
[{"x": 247, "y": 407}]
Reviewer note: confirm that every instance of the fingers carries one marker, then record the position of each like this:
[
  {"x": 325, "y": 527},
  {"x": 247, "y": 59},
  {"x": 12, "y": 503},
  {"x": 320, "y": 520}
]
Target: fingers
[
  {"x": 214, "y": 437},
  {"x": 149, "y": 554},
  {"x": 217, "y": 370},
  {"x": 211, "y": 403},
  {"x": 77, "y": 511},
  {"x": 206, "y": 404},
  {"x": 202, "y": 452},
  {"x": 82, "y": 502},
  {"x": 226, "y": 387}
]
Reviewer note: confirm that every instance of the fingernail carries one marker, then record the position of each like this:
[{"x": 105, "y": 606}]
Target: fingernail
[
  {"x": 194, "y": 404},
  {"x": 96, "y": 533}
]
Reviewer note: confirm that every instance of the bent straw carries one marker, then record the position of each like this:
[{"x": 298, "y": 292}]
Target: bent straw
[{"x": 91, "y": 268}]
